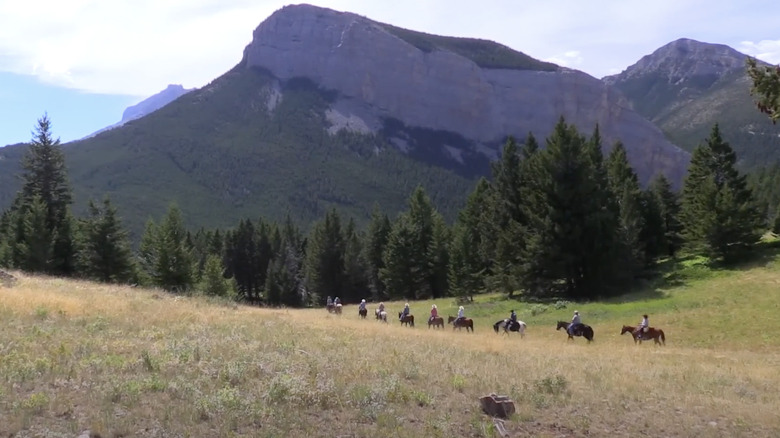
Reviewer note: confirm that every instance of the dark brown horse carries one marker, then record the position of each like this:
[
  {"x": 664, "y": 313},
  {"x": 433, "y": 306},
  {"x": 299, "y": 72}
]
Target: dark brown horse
[
  {"x": 408, "y": 319},
  {"x": 652, "y": 333},
  {"x": 460, "y": 323},
  {"x": 363, "y": 313},
  {"x": 581, "y": 330},
  {"x": 437, "y": 322}
]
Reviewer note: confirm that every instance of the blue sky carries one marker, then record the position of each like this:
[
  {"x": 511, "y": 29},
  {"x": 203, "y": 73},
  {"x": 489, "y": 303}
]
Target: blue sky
[{"x": 84, "y": 61}]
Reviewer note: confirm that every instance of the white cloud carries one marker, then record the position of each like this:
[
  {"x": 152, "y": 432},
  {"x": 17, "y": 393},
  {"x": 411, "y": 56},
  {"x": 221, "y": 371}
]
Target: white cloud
[
  {"x": 570, "y": 59},
  {"x": 765, "y": 50},
  {"x": 137, "y": 47}
]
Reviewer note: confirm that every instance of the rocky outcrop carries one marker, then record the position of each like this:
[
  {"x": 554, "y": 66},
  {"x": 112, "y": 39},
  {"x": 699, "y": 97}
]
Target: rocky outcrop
[{"x": 379, "y": 75}]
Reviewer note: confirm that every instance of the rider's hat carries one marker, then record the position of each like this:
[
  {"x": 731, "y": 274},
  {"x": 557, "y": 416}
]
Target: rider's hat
[
  {"x": 363, "y": 300},
  {"x": 576, "y": 312},
  {"x": 644, "y": 316},
  {"x": 406, "y": 305},
  {"x": 433, "y": 306},
  {"x": 460, "y": 308}
]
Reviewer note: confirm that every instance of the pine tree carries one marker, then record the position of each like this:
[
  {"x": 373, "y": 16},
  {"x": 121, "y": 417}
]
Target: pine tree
[
  {"x": 624, "y": 184},
  {"x": 766, "y": 86},
  {"x": 35, "y": 250},
  {"x": 242, "y": 260},
  {"x": 439, "y": 254},
  {"x": 718, "y": 212},
  {"x": 45, "y": 177},
  {"x": 467, "y": 266},
  {"x": 165, "y": 257},
  {"x": 214, "y": 282},
  {"x": 405, "y": 271},
  {"x": 571, "y": 247},
  {"x": 669, "y": 212},
  {"x": 355, "y": 268},
  {"x": 104, "y": 252},
  {"x": 325, "y": 258},
  {"x": 376, "y": 240}
]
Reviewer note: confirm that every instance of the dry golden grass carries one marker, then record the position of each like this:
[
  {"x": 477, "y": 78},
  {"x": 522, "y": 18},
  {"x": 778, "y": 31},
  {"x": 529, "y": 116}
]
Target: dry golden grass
[{"x": 117, "y": 361}]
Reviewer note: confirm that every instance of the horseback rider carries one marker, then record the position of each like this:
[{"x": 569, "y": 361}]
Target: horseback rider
[
  {"x": 461, "y": 313},
  {"x": 362, "y": 305},
  {"x": 434, "y": 313},
  {"x": 381, "y": 307},
  {"x": 404, "y": 313},
  {"x": 642, "y": 328},
  {"x": 512, "y": 319},
  {"x": 337, "y": 301},
  {"x": 575, "y": 322}
]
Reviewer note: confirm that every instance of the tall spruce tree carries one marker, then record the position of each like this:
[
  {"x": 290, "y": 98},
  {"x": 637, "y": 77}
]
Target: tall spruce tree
[
  {"x": 325, "y": 258},
  {"x": 243, "y": 261},
  {"x": 376, "y": 240},
  {"x": 571, "y": 249},
  {"x": 467, "y": 266},
  {"x": 624, "y": 184},
  {"x": 669, "y": 211},
  {"x": 35, "y": 250},
  {"x": 104, "y": 252},
  {"x": 355, "y": 267},
  {"x": 718, "y": 212},
  {"x": 410, "y": 255},
  {"x": 45, "y": 176}
]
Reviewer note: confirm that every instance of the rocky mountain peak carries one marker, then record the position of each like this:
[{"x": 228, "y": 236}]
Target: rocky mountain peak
[{"x": 684, "y": 59}]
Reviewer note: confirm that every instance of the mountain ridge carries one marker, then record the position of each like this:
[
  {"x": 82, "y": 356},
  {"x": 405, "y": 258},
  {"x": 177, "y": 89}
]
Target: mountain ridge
[{"x": 686, "y": 86}]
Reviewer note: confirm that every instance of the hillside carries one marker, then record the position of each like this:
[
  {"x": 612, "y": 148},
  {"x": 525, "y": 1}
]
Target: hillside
[
  {"x": 687, "y": 86},
  {"x": 329, "y": 109},
  {"x": 119, "y": 361}
]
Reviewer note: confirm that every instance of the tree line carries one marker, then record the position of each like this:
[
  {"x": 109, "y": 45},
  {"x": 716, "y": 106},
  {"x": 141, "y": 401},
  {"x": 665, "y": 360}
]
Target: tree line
[{"x": 559, "y": 222}]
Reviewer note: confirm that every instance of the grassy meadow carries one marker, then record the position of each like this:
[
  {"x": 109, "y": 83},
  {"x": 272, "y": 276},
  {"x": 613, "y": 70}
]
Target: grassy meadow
[{"x": 122, "y": 362}]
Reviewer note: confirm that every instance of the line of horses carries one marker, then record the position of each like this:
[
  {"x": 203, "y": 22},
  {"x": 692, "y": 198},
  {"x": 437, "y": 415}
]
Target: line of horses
[{"x": 506, "y": 326}]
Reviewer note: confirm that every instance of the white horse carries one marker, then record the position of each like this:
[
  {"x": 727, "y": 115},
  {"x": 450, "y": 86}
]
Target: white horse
[
  {"x": 502, "y": 324},
  {"x": 382, "y": 316}
]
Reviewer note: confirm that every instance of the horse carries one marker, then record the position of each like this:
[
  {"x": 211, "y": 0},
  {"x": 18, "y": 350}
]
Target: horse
[
  {"x": 582, "y": 330},
  {"x": 338, "y": 309},
  {"x": 652, "y": 333},
  {"x": 408, "y": 319},
  {"x": 437, "y": 322},
  {"x": 363, "y": 312},
  {"x": 381, "y": 316},
  {"x": 518, "y": 326},
  {"x": 331, "y": 308},
  {"x": 465, "y": 322}
]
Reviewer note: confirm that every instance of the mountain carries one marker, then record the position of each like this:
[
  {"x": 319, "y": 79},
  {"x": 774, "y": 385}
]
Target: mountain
[
  {"x": 332, "y": 110},
  {"x": 687, "y": 86},
  {"x": 148, "y": 105}
]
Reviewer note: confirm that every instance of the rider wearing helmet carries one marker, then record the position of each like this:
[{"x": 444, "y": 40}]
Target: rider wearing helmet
[
  {"x": 575, "y": 321},
  {"x": 337, "y": 301},
  {"x": 362, "y": 305},
  {"x": 512, "y": 319},
  {"x": 404, "y": 313},
  {"x": 434, "y": 312},
  {"x": 329, "y": 302}
]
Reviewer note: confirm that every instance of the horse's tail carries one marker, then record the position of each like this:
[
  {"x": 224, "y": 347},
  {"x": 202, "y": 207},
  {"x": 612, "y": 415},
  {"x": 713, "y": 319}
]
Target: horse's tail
[
  {"x": 495, "y": 326},
  {"x": 663, "y": 337}
]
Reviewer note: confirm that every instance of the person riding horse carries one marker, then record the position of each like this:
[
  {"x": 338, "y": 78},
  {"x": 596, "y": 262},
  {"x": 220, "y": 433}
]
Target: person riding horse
[
  {"x": 461, "y": 316},
  {"x": 576, "y": 321},
  {"x": 642, "y": 328},
  {"x": 512, "y": 320},
  {"x": 434, "y": 313},
  {"x": 362, "y": 305},
  {"x": 404, "y": 313}
]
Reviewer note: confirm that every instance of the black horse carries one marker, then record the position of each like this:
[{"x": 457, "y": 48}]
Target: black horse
[{"x": 580, "y": 330}]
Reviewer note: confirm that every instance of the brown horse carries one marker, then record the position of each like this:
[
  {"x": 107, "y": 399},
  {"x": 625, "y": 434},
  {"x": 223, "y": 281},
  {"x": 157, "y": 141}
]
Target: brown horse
[
  {"x": 363, "y": 313},
  {"x": 437, "y": 322},
  {"x": 652, "y": 333},
  {"x": 408, "y": 319},
  {"x": 459, "y": 324}
]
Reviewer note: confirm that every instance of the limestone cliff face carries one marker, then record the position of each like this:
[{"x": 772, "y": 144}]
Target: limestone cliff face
[{"x": 379, "y": 75}]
